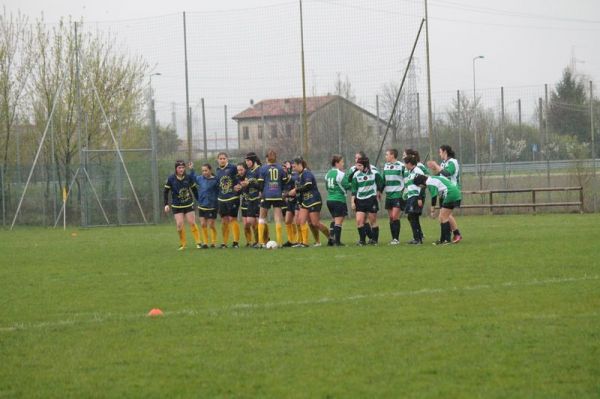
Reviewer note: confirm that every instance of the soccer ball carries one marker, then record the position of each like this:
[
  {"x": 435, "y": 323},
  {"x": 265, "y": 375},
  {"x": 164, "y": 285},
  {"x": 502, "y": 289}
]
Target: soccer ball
[{"x": 271, "y": 245}]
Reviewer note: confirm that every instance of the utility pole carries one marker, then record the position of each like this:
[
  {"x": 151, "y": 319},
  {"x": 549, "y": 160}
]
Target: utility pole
[
  {"x": 304, "y": 116},
  {"x": 187, "y": 93},
  {"x": 429, "y": 113}
]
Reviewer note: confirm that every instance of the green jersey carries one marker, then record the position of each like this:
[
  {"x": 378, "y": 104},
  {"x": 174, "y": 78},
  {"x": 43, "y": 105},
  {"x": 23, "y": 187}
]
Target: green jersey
[
  {"x": 366, "y": 185},
  {"x": 427, "y": 172},
  {"x": 446, "y": 188},
  {"x": 393, "y": 176},
  {"x": 451, "y": 170},
  {"x": 336, "y": 185},
  {"x": 411, "y": 189}
]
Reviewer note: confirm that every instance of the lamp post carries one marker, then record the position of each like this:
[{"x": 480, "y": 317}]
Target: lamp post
[
  {"x": 154, "y": 152},
  {"x": 475, "y": 130}
]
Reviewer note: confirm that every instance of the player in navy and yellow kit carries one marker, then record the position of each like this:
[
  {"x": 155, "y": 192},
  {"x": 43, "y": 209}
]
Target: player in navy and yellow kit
[
  {"x": 251, "y": 198},
  {"x": 309, "y": 199},
  {"x": 208, "y": 190},
  {"x": 290, "y": 213},
  {"x": 272, "y": 179},
  {"x": 183, "y": 190},
  {"x": 229, "y": 199}
]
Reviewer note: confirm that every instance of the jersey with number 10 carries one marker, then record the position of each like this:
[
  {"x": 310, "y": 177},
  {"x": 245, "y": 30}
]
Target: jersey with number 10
[{"x": 274, "y": 177}]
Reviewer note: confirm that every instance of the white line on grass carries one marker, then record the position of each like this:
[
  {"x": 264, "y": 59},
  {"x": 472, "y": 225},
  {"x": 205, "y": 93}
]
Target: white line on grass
[{"x": 100, "y": 318}]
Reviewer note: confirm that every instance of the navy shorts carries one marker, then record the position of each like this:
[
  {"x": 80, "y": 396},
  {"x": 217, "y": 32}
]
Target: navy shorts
[
  {"x": 229, "y": 208},
  {"x": 250, "y": 209},
  {"x": 183, "y": 210},
  {"x": 337, "y": 208},
  {"x": 272, "y": 204},
  {"x": 395, "y": 203},
  {"x": 207, "y": 213},
  {"x": 412, "y": 206},
  {"x": 316, "y": 207},
  {"x": 367, "y": 205}
]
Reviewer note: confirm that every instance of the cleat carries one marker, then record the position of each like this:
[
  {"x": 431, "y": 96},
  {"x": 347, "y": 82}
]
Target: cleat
[
  {"x": 213, "y": 246},
  {"x": 288, "y": 244},
  {"x": 204, "y": 246},
  {"x": 361, "y": 243},
  {"x": 300, "y": 245},
  {"x": 317, "y": 244},
  {"x": 223, "y": 246},
  {"x": 260, "y": 246},
  {"x": 330, "y": 243},
  {"x": 457, "y": 238},
  {"x": 415, "y": 242},
  {"x": 181, "y": 248},
  {"x": 442, "y": 243},
  {"x": 235, "y": 245},
  {"x": 198, "y": 246},
  {"x": 394, "y": 242},
  {"x": 372, "y": 242}
]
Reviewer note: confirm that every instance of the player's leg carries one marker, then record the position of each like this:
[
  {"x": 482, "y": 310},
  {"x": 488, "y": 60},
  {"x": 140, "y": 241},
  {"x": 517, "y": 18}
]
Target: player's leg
[
  {"x": 360, "y": 225},
  {"x": 190, "y": 217},
  {"x": 290, "y": 227},
  {"x": 445, "y": 230},
  {"x": 303, "y": 223},
  {"x": 394, "y": 216},
  {"x": 278, "y": 216},
  {"x": 372, "y": 218},
  {"x": 179, "y": 219},
  {"x": 233, "y": 223},
  {"x": 213, "y": 231},
  {"x": 204, "y": 229},
  {"x": 262, "y": 221}
]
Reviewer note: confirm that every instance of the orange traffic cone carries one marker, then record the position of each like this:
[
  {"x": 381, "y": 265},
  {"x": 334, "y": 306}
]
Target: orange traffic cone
[{"x": 155, "y": 312}]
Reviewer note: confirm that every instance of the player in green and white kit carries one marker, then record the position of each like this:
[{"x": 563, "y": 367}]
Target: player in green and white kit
[
  {"x": 393, "y": 176},
  {"x": 449, "y": 168},
  {"x": 432, "y": 190},
  {"x": 367, "y": 185},
  {"x": 336, "y": 198},
  {"x": 450, "y": 198},
  {"x": 414, "y": 197}
]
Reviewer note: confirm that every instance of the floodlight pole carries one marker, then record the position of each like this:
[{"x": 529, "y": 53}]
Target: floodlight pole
[
  {"x": 187, "y": 93},
  {"x": 429, "y": 111},
  {"x": 304, "y": 116}
]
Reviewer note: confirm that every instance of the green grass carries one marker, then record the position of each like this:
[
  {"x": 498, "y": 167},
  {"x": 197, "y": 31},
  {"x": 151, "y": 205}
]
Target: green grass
[{"x": 511, "y": 312}]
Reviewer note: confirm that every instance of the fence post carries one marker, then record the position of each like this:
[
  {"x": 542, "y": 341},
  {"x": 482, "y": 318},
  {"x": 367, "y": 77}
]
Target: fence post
[
  {"x": 154, "y": 164},
  {"x": 581, "y": 199},
  {"x": 491, "y": 202},
  {"x": 533, "y": 200},
  {"x": 2, "y": 195}
]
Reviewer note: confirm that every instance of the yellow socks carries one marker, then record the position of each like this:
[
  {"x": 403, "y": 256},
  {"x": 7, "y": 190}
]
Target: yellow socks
[
  {"x": 291, "y": 232},
  {"x": 225, "y": 228},
  {"x": 182, "y": 240},
  {"x": 261, "y": 232},
  {"x": 248, "y": 233},
  {"x": 213, "y": 235},
  {"x": 204, "y": 235},
  {"x": 196, "y": 233},
  {"x": 278, "y": 233},
  {"x": 235, "y": 227},
  {"x": 304, "y": 233}
]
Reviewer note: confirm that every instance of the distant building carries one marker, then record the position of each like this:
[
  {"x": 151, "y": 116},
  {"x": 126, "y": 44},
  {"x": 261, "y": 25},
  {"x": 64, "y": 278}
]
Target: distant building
[{"x": 335, "y": 125}]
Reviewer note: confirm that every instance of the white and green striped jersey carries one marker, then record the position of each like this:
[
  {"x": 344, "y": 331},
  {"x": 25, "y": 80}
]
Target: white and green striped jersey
[
  {"x": 334, "y": 181},
  {"x": 411, "y": 189},
  {"x": 366, "y": 185},
  {"x": 446, "y": 188},
  {"x": 393, "y": 176},
  {"x": 451, "y": 170}
]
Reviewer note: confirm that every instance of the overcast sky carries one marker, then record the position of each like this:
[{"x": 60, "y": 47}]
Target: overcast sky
[{"x": 525, "y": 43}]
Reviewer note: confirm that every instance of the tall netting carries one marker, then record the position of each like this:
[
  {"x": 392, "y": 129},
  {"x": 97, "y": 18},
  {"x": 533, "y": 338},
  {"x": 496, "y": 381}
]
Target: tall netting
[{"x": 244, "y": 93}]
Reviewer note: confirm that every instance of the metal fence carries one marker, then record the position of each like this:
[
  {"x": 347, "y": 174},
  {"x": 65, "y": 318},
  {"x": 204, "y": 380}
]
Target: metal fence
[{"x": 230, "y": 81}]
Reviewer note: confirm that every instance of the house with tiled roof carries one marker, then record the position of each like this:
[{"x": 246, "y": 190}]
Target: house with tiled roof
[{"x": 335, "y": 125}]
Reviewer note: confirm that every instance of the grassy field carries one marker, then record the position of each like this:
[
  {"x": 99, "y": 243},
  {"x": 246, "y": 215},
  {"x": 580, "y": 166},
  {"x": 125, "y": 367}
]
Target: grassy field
[{"x": 513, "y": 311}]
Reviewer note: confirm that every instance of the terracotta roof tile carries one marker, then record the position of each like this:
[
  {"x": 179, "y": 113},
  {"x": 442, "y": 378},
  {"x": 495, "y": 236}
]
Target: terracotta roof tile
[{"x": 284, "y": 107}]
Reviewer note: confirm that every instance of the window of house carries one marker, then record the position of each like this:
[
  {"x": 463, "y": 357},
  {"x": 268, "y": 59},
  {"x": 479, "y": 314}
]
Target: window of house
[
  {"x": 245, "y": 133},
  {"x": 260, "y": 132},
  {"x": 288, "y": 130},
  {"x": 273, "y": 131}
]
